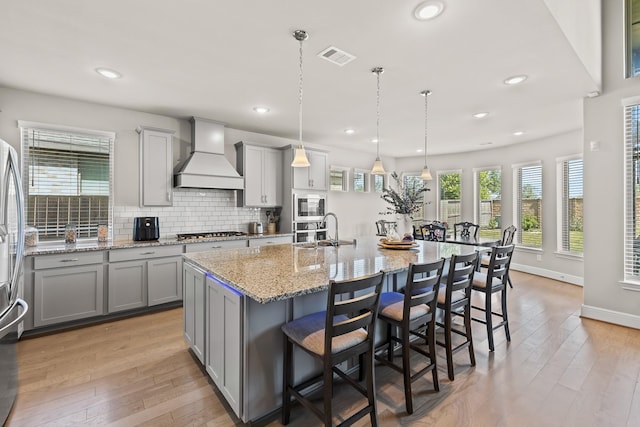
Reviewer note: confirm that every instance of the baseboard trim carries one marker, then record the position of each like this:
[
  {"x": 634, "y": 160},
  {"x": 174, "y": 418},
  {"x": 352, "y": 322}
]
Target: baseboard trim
[
  {"x": 610, "y": 316},
  {"x": 555, "y": 275}
]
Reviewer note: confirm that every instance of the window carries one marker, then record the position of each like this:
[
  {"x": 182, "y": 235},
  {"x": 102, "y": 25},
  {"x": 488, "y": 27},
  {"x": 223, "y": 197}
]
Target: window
[
  {"x": 570, "y": 205},
  {"x": 449, "y": 197},
  {"x": 413, "y": 181},
  {"x": 338, "y": 178},
  {"x": 489, "y": 206},
  {"x": 67, "y": 175},
  {"x": 379, "y": 182},
  {"x": 632, "y": 24},
  {"x": 632, "y": 193},
  {"x": 360, "y": 181},
  {"x": 527, "y": 182}
]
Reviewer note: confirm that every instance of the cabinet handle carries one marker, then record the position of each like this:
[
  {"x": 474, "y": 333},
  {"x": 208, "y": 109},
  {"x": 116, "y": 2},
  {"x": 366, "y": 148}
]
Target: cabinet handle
[
  {"x": 216, "y": 247},
  {"x": 69, "y": 260},
  {"x": 148, "y": 253}
]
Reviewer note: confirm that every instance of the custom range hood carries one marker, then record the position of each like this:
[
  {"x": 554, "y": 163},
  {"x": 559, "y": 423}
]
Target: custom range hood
[{"x": 207, "y": 167}]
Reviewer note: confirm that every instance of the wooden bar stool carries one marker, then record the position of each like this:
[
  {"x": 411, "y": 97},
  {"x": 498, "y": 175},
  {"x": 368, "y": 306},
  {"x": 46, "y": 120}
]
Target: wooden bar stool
[
  {"x": 494, "y": 281},
  {"x": 412, "y": 313},
  {"x": 345, "y": 330},
  {"x": 456, "y": 301}
]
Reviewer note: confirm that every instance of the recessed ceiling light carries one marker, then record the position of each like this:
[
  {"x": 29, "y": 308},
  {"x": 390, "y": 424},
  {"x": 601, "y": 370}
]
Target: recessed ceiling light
[
  {"x": 428, "y": 10},
  {"x": 480, "y": 115},
  {"x": 518, "y": 133},
  {"x": 514, "y": 80},
  {"x": 109, "y": 74},
  {"x": 349, "y": 131},
  {"x": 419, "y": 150},
  {"x": 374, "y": 141},
  {"x": 261, "y": 110}
]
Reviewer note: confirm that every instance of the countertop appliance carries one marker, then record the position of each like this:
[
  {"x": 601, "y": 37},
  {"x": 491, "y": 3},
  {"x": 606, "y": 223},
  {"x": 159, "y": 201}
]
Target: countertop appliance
[
  {"x": 12, "y": 307},
  {"x": 309, "y": 207},
  {"x": 146, "y": 228},
  {"x": 209, "y": 234},
  {"x": 255, "y": 228}
]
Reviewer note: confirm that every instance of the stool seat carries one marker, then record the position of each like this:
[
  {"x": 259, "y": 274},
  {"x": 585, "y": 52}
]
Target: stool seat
[
  {"x": 392, "y": 305},
  {"x": 308, "y": 332}
]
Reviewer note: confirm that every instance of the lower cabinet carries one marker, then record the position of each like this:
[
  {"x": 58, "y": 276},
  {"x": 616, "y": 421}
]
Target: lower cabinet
[
  {"x": 67, "y": 287},
  {"x": 194, "y": 308},
  {"x": 223, "y": 357},
  {"x": 144, "y": 277}
]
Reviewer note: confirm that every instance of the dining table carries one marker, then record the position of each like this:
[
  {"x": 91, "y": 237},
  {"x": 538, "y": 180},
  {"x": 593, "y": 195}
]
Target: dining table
[{"x": 474, "y": 241}]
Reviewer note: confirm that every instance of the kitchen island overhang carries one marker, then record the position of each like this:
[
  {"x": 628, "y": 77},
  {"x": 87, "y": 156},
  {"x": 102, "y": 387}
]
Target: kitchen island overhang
[{"x": 251, "y": 292}]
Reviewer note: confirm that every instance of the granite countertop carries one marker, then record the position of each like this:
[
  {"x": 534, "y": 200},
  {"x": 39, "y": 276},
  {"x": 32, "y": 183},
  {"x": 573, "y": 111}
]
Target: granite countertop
[
  {"x": 279, "y": 272},
  {"x": 94, "y": 245}
]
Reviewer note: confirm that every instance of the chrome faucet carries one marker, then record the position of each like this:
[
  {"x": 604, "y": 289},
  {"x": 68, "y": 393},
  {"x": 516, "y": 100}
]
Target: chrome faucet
[{"x": 336, "y": 241}]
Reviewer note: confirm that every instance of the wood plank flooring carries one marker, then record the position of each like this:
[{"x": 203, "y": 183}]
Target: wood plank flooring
[{"x": 558, "y": 370}]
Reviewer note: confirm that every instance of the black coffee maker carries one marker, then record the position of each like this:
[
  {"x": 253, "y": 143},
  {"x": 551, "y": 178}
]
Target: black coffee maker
[{"x": 146, "y": 228}]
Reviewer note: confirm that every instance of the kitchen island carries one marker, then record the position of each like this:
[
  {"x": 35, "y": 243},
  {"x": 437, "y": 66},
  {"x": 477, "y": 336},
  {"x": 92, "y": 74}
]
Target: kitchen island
[{"x": 236, "y": 300}]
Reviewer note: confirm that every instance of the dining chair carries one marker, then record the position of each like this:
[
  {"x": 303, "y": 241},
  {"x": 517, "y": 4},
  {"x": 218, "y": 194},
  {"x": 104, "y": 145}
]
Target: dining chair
[
  {"x": 492, "y": 282},
  {"x": 455, "y": 300},
  {"x": 433, "y": 232},
  {"x": 345, "y": 330},
  {"x": 507, "y": 239},
  {"x": 412, "y": 314},
  {"x": 465, "y": 230}
]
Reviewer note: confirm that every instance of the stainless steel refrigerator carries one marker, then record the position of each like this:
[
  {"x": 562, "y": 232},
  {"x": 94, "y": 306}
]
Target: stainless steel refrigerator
[{"x": 12, "y": 307}]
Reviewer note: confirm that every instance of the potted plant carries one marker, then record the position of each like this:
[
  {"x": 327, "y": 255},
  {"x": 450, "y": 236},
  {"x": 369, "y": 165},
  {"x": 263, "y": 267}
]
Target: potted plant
[{"x": 403, "y": 201}]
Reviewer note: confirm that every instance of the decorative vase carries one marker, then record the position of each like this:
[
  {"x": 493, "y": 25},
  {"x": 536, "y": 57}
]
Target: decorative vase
[{"x": 405, "y": 225}]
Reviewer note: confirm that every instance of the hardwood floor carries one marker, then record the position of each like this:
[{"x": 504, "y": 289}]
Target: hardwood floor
[{"x": 558, "y": 370}]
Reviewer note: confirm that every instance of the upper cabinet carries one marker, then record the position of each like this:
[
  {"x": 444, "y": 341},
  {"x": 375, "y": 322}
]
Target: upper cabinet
[
  {"x": 262, "y": 170},
  {"x": 156, "y": 166},
  {"x": 313, "y": 177}
]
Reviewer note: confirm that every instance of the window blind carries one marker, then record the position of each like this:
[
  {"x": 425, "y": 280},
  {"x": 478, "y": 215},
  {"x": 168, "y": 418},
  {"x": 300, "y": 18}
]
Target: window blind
[
  {"x": 571, "y": 205},
  {"x": 67, "y": 180},
  {"x": 632, "y": 181},
  {"x": 528, "y": 189}
]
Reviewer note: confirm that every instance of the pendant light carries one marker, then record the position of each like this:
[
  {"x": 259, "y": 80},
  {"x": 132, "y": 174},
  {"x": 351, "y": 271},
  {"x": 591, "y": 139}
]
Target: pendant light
[
  {"x": 377, "y": 169},
  {"x": 426, "y": 173},
  {"x": 300, "y": 159}
]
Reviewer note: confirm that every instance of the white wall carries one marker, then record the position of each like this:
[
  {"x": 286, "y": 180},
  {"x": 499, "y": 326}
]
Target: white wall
[
  {"x": 546, "y": 150},
  {"x": 604, "y": 296}
]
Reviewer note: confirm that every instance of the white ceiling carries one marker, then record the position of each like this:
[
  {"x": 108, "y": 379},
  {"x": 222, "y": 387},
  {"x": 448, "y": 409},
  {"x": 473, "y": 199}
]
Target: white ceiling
[{"x": 218, "y": 59}]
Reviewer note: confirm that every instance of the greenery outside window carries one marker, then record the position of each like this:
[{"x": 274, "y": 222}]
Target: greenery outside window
[
  {"x": 67, "y": 175},
  {"x": 449, "y": 191},
  {"x": 489, "y": 201},
  {"x": 570, "y": 204},
  {"x": 527, "y": 188},
  {"x": 414, "y": 181},
  {"x": 379, "y": 182},
  {"x": 338, "y": 178},
  {"x": 632, "y": 193}
]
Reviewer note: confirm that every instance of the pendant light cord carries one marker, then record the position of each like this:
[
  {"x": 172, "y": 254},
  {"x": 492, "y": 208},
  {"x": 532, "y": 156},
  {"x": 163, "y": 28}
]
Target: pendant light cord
[
  {"x": 300, "y": 96},
  {"x": 378, "y": 114},
  {"x": 426, "y": 94}
]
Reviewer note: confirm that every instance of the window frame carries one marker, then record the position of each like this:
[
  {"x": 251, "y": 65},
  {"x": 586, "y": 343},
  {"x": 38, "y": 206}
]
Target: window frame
[
  {"x": 561, "y": 203},
  {"x": 631, "y": 281},
  {"x": 365, "y": 180},
  {"x": 476, "y": 195},
  {"x": 345, "y": 177},
  {"x": 26, "y": 126},
  {"x": 385, "y": 183},
  {"x": 517, "y": 202}
]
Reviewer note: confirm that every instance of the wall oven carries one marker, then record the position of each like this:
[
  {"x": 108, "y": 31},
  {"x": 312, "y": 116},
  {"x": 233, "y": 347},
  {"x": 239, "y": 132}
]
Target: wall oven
[{"x": 309, "y": 207}]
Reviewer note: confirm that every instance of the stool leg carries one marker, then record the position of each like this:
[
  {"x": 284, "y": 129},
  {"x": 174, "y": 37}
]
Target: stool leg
[
  {"x": 505, "y": 317},
  {"x": 467, "y": 328},
  {"x": 328, "y": 390},
  {"x": 489, "y": 320},
  {"x": 389, "y": 343},
  {"x": 406, "y": 371},
  {"x": 448, "y": 344},
  {"x": 431, "y": 338},
  {"x": 287, "y": 376},
  {"x": 371, "y": 389}
]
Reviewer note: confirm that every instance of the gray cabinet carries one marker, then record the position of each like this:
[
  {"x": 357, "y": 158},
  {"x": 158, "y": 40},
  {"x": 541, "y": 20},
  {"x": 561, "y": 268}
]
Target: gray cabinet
[
  {"x": 194, "y": 309},
  {"x": 67, "y": 287},
  {"x": 274, "y": 240},
  {"x": 224, "y": 341},
  {"x": 315, "y": 176},
  {"x": 262, "y": 171},
  {"x": 156, "y": 166},
  {"x": 213, "y": 245},
  {"x": 140, "y": 277}
]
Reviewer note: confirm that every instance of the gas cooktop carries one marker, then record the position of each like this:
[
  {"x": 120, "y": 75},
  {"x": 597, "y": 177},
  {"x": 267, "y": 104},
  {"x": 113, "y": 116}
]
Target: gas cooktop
[{"x": 207, "y": 234}]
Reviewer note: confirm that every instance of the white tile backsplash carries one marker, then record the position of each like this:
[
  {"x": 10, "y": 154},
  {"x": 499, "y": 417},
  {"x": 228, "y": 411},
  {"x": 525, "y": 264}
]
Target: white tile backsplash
[{"x": 193, "y": 210}]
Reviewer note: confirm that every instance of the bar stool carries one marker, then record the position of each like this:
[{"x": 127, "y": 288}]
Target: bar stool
[
  {"x": 507, "y": 239},
  {"x": 412, "y": 313},
  {"x": 495, "y": 280},
  {"x": 345, "y": 330},
  {"x": 456, "y": 301}
]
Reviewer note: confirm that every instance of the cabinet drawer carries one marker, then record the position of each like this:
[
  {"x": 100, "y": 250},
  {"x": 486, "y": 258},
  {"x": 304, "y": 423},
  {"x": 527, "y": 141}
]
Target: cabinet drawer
[
  {"x": 276, "y": 240},
  {"x": 67, "y": 260},
  {"x": 213, "y": 245},
  {"x": 144, "y": 253}
]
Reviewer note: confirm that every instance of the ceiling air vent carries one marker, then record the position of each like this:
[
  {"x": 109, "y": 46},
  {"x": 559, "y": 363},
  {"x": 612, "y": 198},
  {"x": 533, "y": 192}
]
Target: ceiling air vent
[{"x": 336, "y": 56}]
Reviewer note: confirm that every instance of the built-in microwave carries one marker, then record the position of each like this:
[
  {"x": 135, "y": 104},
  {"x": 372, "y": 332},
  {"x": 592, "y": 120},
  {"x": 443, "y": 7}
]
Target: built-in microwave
[{"x": 309, "y": 207}]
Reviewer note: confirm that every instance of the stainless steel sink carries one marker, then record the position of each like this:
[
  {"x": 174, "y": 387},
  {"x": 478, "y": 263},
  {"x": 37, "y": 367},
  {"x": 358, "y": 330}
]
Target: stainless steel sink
[{"x": 313, "y": 245}]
